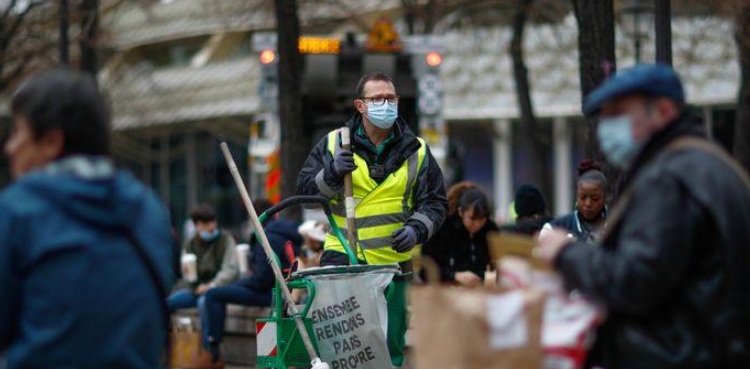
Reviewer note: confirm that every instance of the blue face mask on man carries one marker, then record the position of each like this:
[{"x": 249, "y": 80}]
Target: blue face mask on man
[
  {"x": 209, "y": 236},
  {"x": 382, "y": 116},
  {"x": 616, "y": 140}
]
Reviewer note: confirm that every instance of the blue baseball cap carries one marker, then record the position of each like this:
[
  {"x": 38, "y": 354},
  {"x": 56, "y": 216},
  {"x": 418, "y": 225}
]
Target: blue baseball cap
[{"x": 656, "y": 80}]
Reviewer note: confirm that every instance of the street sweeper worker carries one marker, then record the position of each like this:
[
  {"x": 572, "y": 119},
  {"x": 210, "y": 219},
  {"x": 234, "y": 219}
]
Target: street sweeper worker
[{"x": 398, "y": 190}]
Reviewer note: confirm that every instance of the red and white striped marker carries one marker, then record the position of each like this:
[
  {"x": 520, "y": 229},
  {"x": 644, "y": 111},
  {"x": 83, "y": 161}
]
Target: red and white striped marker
[{"x": 266, "y": 337}]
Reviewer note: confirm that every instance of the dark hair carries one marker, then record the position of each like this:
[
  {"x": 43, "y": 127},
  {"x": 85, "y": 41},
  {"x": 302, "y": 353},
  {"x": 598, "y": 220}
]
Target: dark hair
[
  {"x": 377, "y": 76},
  {"x": 203, "y": 213},
  {"x": 589, "y": 170},
  {"x": 475, "y": 199},
  {"x": 454, "y": 195},
  {"x": 529, "y": 202},
  {"x": 70, "y": 101}
]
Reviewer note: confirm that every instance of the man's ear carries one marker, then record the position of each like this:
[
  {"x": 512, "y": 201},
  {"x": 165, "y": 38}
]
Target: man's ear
[
  {"x": 52, "y": 144},
  {"x": 360, "y": 106}
]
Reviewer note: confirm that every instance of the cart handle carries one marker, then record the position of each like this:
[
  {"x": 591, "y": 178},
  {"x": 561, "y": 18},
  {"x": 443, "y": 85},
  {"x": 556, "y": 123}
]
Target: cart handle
[
  {"x": 310, "y": 287},
  {"x": 322, "y": 201}
]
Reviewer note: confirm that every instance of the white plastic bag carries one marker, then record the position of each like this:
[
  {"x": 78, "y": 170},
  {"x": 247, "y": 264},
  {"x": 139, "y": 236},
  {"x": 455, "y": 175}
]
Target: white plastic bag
[{"x": 350, "y": 319}]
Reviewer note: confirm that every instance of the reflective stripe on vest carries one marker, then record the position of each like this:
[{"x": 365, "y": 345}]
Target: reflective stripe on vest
[{"x": 380, "y": 209}]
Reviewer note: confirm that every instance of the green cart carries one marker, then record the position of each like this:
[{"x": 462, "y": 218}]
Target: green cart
[{"x": 279, "y": 342}]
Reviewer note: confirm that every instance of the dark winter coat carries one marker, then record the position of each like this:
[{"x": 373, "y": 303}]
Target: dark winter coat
[
  {"x": 674, "y": 273},
  {"x": 526, "y": 227},
  {"x": 279, "y": 232},
  {"x": 454, "y": 250},
  {"x": 575, "y": 225},
  {"x": 74, "y": 292},
  {"x": 429, "y": 189}
]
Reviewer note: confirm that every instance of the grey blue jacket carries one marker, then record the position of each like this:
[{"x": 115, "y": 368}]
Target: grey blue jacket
[{"x": 73, "y": 291}]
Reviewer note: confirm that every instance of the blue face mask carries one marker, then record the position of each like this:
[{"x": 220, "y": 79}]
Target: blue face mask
[
  {"x": 382, "y": 116},
  {"x": 209, "y": 236},
  {"x": 616, "y": 140}
]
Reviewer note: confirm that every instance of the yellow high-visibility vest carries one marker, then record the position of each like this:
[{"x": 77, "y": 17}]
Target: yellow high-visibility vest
[{"x": 380, "y": 209}]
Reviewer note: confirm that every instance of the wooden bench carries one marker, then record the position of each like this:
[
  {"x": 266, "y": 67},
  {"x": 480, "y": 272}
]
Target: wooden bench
[{"x": 239, "y": 344}]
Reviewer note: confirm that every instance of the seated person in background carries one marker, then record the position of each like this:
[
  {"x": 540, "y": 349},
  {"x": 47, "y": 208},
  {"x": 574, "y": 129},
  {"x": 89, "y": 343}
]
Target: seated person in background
[
  {"x": 587, "y": 222},
  {"x": 314, "y": 235},
  {"x": 254, "y": 288},
  {"x": 460, "y": 246},
  {"x": 215, "y": 259},
  {"x": 531, "y": 211}
]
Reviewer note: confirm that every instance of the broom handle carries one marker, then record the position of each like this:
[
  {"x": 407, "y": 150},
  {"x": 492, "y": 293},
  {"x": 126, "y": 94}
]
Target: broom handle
[
  {"x": 351, "y": 224},
  {"x": 269, "y": 251}
]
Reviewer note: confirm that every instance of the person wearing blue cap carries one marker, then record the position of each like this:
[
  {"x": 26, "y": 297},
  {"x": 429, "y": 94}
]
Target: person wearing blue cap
[{"x": 673, "y": 264}]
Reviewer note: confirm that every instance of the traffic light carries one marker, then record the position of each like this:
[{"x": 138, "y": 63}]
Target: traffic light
[
  {"x": 433, "y": 59},
  {"x": 426, "y": 63},
  {"x": 268, "y": 88},
  {"x": 426, "y": 67}
]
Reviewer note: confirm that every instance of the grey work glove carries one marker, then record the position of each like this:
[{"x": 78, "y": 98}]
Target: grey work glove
[
  {"x": 404, "y": 239},
  {"x": 343, "y": 163}
]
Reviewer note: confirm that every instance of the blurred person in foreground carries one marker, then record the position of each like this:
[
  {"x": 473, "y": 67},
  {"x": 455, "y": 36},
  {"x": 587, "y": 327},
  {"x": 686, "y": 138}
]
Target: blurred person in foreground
[
  {"x": 587, "y": 222},
  {"x": 86, "y": 252},
  {"x": 673, "y": 265},
  {"x": 459, "y": 247}
]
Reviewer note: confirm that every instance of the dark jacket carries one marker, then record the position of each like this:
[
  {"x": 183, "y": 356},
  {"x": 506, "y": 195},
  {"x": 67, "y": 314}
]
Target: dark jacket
[
  {"x": 279, "y": 232},
  {"x": 674, "y": 273},
  {"x": 454, "y": 250},
  {"x": 574, "y": 225},
  {"x": 316, "y": 176},
  {"x": 73, "y": 291},
  {"x": 526, "y": 227}
]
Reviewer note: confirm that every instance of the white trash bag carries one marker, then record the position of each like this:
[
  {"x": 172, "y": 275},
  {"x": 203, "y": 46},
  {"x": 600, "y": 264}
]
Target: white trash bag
[{"x": 350, "y": 319}]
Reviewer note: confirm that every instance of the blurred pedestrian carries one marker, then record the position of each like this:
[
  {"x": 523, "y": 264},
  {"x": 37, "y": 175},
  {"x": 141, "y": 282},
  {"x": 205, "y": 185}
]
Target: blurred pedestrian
[
  {"x": 85, "y": 249},
  {"x": 673, "y": 265},
  {"x": 254, "y": 288},
  {"x": 530, "y": 209},
  {"x": 587, "y": 222},
  {"x": 314, "y": 235},
  {"x": 215, "y": 255},
  {"x": 460, "y": 246}
]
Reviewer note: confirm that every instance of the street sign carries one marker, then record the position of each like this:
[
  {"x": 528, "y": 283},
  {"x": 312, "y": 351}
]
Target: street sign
[
  {"x": 430, "y": 84},
  {"x": 430, "y": 105},
  {"x": 430, "y": 94},
  {"x": 383, "y": 37}
]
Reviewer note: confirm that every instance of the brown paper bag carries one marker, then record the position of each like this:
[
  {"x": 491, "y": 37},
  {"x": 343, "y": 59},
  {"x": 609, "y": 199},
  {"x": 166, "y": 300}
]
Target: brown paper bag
[
  {"x": 187, "y": 349},
  {"x": 452, "y": 330}
]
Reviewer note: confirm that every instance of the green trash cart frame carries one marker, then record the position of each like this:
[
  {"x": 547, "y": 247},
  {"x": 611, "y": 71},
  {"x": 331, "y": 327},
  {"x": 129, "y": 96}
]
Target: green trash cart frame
[{"x": 289, "y": 350}]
